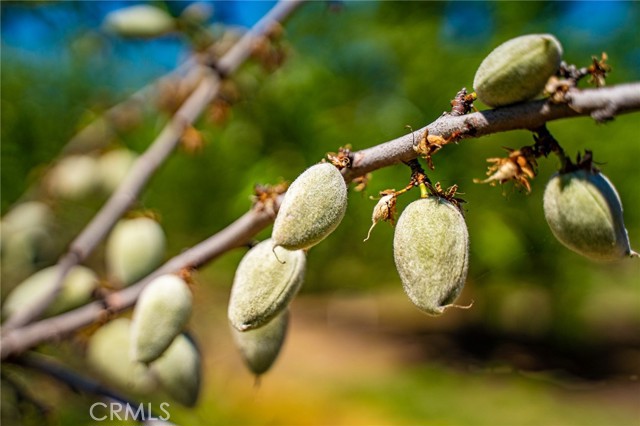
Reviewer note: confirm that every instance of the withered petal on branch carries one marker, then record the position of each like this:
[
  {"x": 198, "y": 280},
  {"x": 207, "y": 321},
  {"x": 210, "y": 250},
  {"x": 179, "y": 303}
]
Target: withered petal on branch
[{"x": 519, "y": 166}]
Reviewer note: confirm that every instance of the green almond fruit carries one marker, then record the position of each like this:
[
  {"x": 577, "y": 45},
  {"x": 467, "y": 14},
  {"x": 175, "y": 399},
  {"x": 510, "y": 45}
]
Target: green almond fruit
[
  {"x": 113, "y": 167},
  {"x": 179, "y": 370},
  {"x": 76, "y": 290},
  {"x": 26, "y": 239},
  {"x": 518, "y": 69},
  {"x": 312, "y": 208},
  {"x": 134, "y": 248},
  {"x": 27, "y": 216},
  {"x": 264, "y": 284},
  {"x": 23, "y": 252},
  {"x": 260, "y": 347},
  {"x": 584, "y": 213},
  {"x": 142, "y": 20},
  {"x": 197, "y": 12},
  {"x": 74, "y": 177},
  {"x": 161, "y": 313},
  {"x": 431, "y": 251},
  {"x": 108, "y": 353}
]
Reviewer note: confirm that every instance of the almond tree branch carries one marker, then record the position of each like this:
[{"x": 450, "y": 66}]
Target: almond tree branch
[
  {"x": 624, "y": 99},
  {"x": 239, "y": 233},
  {"x": 97, "y": 133},
  {"x": 601, "y": 103},
  {"x": 147, "y": 164}
]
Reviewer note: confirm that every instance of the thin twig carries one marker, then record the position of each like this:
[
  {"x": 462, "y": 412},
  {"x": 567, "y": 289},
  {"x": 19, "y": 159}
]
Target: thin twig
[
  {"x": 24, "y": 395},
  {"x": 97, "y": 133},
  {"x": 142, "y": 170},
  {"x": 524, "y": 116}
]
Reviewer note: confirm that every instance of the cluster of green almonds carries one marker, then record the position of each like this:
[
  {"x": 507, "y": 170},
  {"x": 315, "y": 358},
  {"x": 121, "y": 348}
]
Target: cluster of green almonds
[
  {"x": 271, "y": 273},
  {"x": 430, "y": 245},
  {"x": 517, "y": 70},
  {"x": 431, "y": 252},
  {"x": 584, "y": 212},
  {"x": 151, "y": 349},
  {"x": 28, "y": 229}
]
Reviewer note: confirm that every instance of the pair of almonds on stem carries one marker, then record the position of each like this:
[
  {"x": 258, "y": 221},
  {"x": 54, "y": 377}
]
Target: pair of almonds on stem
[
  {"x": 431, "y": 242},
  {"x": 271, "y": 273},
  {"x": 263, "y": 287},
  {"x": 157, "y": 337},
  {"x": 152, "y": 346},
  {"x": 430, "y": 245},
  {"x": 178, "y": 370}
]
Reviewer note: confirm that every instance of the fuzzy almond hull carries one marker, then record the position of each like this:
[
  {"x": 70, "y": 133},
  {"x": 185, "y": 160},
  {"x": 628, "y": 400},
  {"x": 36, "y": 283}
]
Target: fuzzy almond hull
[{"x": 431, "y": 252}]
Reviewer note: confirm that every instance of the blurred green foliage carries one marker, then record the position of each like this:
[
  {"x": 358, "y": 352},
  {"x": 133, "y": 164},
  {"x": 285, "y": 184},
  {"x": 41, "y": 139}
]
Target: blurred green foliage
[{"x": 358, "y": 76}]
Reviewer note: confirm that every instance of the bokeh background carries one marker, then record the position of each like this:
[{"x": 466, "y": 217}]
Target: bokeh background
[{"x": 552, "y": 338}]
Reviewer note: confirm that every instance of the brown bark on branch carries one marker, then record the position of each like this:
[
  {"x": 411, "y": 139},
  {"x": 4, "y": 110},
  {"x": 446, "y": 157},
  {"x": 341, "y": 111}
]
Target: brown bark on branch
[
  {"x": 622, "y": 99},
  {"x": 600, "y": 103}
]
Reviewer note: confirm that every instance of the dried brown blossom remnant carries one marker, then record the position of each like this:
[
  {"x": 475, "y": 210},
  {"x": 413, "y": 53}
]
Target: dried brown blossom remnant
[
  {"x": 448, "y": 194},
  {"x": 219, "y": 111},
  {"x": 567, "y": 77},
  {"x": 429, "y": 144},
  {"x": 361, "y": 182},
  {"x": 220, "y": 107},
  {"x": 598, "y": 70},
  {"x": 519, "y": 166},
  {"x": 557, "y": 89},
  {"x": 385, "y": 210},
  {"x": 343, "y": 159},
  {"x": 270, "y": 51},
  {"x": 171, "y": 94},
  {"x": 265, "y": 197},
  {"x": 192, "y": 140}
]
